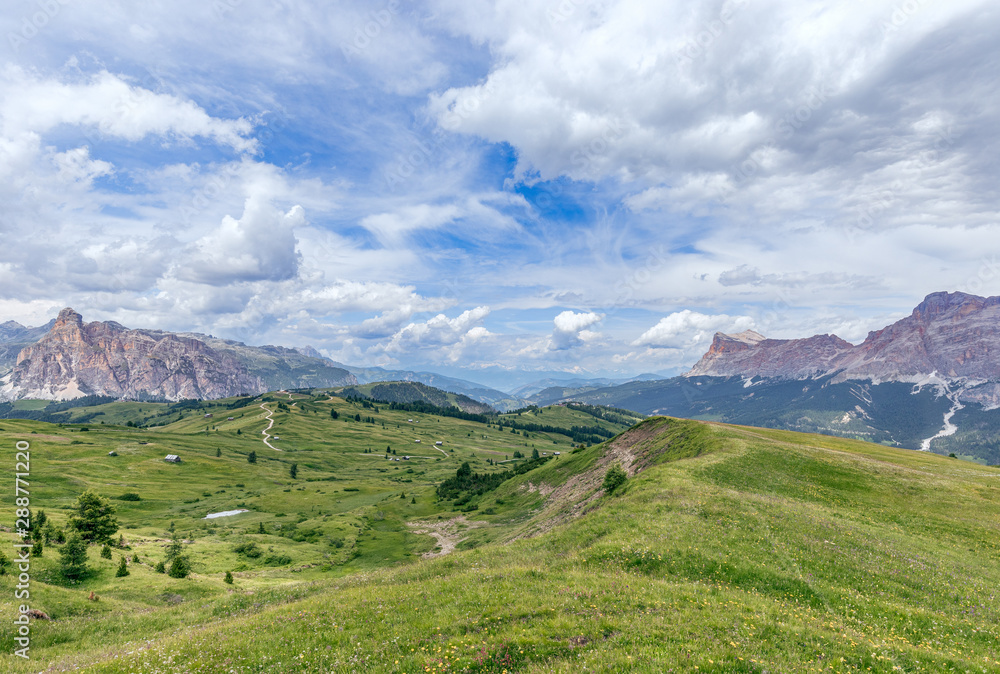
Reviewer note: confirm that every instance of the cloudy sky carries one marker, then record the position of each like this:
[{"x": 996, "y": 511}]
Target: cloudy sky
[{"x": 558, "y": 185}]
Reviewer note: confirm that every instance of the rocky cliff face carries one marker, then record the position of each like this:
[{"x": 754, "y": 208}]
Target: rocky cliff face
[
  {"x": 954, "y": 335},
  {"x": 75, "y": 359}
]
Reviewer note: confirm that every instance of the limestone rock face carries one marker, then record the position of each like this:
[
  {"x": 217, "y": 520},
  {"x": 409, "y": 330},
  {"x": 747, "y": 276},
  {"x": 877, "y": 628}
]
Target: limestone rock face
[
  {"x": 105, "y": 358},
  {"x": 954, "y": 335}
]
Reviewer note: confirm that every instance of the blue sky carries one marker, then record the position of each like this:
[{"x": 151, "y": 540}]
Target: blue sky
[{"x": 588, "y": 187}]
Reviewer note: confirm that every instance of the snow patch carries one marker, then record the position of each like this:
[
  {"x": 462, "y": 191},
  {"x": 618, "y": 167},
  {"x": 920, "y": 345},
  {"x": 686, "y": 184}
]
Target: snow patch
[{"x": 227, "y": 513}]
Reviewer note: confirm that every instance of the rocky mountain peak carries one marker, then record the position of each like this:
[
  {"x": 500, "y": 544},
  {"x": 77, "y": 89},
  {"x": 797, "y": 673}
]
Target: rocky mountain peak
[
  {"x": 955, "y": 335},
  {"x": 68, "y": 317},
  {"x": 74, "y": 359}
]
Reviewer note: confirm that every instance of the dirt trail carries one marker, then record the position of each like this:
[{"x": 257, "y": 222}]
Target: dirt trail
[
  {"x": 446, "y": 532},
  {"x": 270, "y": 425}
]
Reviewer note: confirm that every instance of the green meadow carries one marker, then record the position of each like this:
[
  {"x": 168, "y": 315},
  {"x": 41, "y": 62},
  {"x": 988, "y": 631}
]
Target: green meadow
[{"x": 729, "y": 549}]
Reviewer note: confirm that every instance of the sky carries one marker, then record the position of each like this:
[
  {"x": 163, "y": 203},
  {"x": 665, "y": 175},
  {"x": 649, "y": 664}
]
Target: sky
[{"x": 479, "y": 186}]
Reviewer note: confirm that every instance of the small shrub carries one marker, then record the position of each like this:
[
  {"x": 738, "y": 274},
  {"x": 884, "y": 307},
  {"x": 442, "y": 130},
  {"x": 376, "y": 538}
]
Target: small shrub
[
  {"x": 122, "y": 569},
  {"x": 228, "y": 580},
  {"x": 277, "y": 560},
  {"x": 614, "y": 478},
  {"x": 161, "y": 567},
  {"x": 106, "y": 551},
  {"x": 248, "y": 549},
  {"x": 179, "y": 568}
]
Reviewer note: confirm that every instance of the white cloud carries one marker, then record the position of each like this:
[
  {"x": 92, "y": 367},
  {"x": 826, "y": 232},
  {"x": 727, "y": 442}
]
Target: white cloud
[
  {"x": 108, "y": 106},
  {"x": 686, "y": 329},
  {"x": 571, "y": 329},
  {"x": 439, "y": 331},
  {"x": 259, "y": 246}
]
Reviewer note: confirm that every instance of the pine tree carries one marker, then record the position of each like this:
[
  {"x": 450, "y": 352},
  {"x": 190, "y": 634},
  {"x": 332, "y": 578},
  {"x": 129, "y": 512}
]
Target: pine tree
[
  {"x": 95, "y": 518},
  {"x": 252, "y": 457},
  {"x": 161, "y": 567},
  {"x": 294, "y": 470},
  {"x": 122, "y": 569},
  {"x": 261, "y": 529},
  {"x": 229, "y": 578},
  {"x": 180, "y": 567},
  {"x": 175, "y": 549},
  {"x": 106, "y": 551},
  {"x": 36, "y": 549},
  {"x": 218, "y": 451},
  {"x": 73, "y": 557}
]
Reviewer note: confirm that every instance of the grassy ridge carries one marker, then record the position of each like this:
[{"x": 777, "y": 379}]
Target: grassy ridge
[{"x": 729, "y": 550}]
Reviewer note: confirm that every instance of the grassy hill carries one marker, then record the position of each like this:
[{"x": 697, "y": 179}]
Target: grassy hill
[
  {"x": 729, "y": 549},
  {"x": 414, "y": 391},
  {"x": 891, "y": 413}
]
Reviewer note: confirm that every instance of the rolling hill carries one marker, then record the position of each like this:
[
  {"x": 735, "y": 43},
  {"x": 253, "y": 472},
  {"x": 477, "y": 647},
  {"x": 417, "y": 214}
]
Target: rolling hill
[{"x": 728, "y": 549}]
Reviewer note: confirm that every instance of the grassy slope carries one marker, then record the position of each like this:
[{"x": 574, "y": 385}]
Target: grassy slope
[
  {"x": 349, "y": 499},
  {"x": 732, "y": 550}
]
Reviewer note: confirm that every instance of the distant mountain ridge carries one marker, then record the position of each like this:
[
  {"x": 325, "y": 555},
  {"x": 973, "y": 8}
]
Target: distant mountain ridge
[
  {"x": 484, "y": 394},
  {"x": 951, "y": 335},
  {"x": 929, "y": 381},
  {"x": 75, "y": 359},
  {"x": 413, "y": 392}
]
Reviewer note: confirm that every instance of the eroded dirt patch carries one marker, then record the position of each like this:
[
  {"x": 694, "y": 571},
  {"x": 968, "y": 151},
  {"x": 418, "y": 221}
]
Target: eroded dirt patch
[{"x": 448, "y": 533}]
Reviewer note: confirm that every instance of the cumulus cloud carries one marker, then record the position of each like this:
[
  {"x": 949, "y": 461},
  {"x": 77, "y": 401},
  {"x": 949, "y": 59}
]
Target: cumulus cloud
[
  {"x": 686, "y": 329},
  {"x": 259, "y": 246},
  {"x": 439, "y": 331},
  {"x": 572, "y": 329}
]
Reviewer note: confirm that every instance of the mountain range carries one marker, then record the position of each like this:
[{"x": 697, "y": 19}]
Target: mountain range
[
  {"x": 928, "y": 381},
  {"x": 951, "y": 336},
  {"x": 73, "y": 359}
]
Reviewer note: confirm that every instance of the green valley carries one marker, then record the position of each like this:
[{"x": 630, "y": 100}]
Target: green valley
[{"x": 727, "y": 549}]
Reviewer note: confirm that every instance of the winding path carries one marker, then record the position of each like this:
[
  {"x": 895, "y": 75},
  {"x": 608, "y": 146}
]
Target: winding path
[{"x": 270, "y": 425}]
